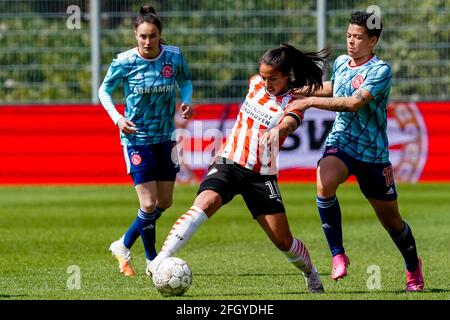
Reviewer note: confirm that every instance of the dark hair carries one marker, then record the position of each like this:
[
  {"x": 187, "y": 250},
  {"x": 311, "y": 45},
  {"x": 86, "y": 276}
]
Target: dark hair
[
  {"x": 148, "y": 14},
  {"x": 305, "y": 68},
  {"x": 369, "y": 20}
]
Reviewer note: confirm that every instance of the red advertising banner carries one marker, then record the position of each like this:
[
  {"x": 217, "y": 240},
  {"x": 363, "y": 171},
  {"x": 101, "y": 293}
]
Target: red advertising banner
[{"x": 80, "y": 144}]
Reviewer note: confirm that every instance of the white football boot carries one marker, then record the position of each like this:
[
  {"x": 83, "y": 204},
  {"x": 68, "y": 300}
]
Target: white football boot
[
  {"x": 123, "y": 255},
  {"x": 313, "y": 281}
]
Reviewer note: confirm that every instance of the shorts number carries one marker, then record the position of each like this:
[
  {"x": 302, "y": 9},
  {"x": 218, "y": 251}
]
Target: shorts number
[{"x": 274, "y": 191}]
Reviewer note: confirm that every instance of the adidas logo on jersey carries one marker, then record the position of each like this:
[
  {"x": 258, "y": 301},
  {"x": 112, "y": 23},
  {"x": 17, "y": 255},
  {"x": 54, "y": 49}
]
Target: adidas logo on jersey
[
  {"x": 390, "y": 191},
  {"x": 139, "y": 76}
]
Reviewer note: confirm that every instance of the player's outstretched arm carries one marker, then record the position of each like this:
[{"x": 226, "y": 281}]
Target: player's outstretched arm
[
  {"x": 325, "y": 91},
  {"x": 339, "y": 104}
]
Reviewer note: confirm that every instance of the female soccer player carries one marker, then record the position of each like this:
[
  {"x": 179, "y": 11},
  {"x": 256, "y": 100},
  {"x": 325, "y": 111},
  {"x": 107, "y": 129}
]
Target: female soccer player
[
  {"x": 149, "y": 74},
  {"x": 247, "y": 164},
  {"x": 358, "y": 145}
]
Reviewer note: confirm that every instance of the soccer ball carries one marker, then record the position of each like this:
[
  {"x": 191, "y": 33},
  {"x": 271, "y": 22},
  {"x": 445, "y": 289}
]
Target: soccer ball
[{"x": 173, "y": 277}]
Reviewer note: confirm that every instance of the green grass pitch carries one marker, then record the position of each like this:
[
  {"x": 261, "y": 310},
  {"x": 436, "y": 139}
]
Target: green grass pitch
[{"x": 48, "y": 234}]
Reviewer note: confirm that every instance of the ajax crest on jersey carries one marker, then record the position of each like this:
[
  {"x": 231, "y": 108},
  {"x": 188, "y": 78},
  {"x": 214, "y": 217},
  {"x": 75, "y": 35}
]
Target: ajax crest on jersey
[
  {"x": 167, "y": 71},
  {"x": 357, "y": 81}
]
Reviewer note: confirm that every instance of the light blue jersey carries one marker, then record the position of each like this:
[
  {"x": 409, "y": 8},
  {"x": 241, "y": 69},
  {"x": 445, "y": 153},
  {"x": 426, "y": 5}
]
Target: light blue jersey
[
  {"x": 362, "y": 134},
  {"x": 149, "y": 87}
]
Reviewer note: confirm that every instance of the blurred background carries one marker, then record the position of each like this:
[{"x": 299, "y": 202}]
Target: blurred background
[
  {"x": 55, "y": 53},
  {"x": 46, "y": 56}
]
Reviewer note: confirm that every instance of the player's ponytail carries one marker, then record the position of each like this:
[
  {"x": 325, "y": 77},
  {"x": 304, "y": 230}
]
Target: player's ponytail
[
  {"x": 148, "y": 14},
  {"x": 304, "y": 68}
]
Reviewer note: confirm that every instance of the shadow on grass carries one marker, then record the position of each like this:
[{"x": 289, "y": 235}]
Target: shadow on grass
[
  {"x": 324, "y": 295},
  {"x": 246, "y": 274},
  {"x": 246, "y": 295},
  {"x": 334, "y": 292},
  {"x": 10, "y": 296},
  {"x": 436, "y": 290},
  {"x": 375, "y": 292},
  {"x": 266, "y": 274}
]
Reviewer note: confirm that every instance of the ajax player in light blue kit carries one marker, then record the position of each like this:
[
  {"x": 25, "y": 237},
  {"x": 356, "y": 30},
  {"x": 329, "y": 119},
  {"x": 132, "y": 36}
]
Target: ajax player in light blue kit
[
  {"x": 150, "y": 74},
  {"x": 358, "y": 145}
]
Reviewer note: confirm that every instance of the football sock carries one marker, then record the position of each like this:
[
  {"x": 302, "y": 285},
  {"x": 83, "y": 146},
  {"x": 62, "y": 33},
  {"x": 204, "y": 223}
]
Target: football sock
[
  {"x": 298, "y": 255},
  {"x": 330, "y": 214},
  {"x": 407, "y": 245},
  {"x": 147, "y": 230},
  {"x": 183, "y": 229},
  {"x": 134, "y": 232}
]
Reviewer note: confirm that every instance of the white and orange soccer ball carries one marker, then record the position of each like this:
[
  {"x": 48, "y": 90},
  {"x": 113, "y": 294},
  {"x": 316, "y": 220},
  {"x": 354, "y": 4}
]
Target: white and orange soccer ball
[{"x": 173, "y": 277}]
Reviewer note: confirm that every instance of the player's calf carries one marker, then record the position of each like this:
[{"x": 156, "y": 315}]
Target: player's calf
[{"x": 183, "y": 230}]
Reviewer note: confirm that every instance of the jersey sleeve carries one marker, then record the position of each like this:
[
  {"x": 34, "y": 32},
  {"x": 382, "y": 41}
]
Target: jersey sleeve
[
  {"x": 183, "y": 78},
  {"x": 113, "y": 78},
  {"x": 378, "y": 80},
  {"x": 250, "y": 82}
]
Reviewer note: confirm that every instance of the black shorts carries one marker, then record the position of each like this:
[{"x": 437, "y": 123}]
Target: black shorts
[
  {"x": 376, "y": 180},
  {"x": 260, "y": 192}
]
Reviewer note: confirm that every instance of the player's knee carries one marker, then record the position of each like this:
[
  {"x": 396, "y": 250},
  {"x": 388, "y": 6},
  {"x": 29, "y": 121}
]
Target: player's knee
[
  {"x": 164, "y": 204},
  {"x": 326, "y": 189},
  {"x": 209, "y": 200},
  {"x": 148, "y": 207}
]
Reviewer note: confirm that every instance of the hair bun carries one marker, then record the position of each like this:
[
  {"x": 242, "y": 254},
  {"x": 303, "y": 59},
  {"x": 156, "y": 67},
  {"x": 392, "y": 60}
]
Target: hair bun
[{"x": 147, "y": 9}]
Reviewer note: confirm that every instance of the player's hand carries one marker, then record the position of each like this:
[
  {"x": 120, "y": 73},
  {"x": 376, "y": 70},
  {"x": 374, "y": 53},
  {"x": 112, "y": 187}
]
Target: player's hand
[
  {"x": 298, "y": 95},
  {"x": 300, "y": 104},
  {"x": 300, "y": 92},
  {"x": 126, "y": 126},
  {"x": 269, "y": 138},
  {"x": 187, "y": 111}
]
